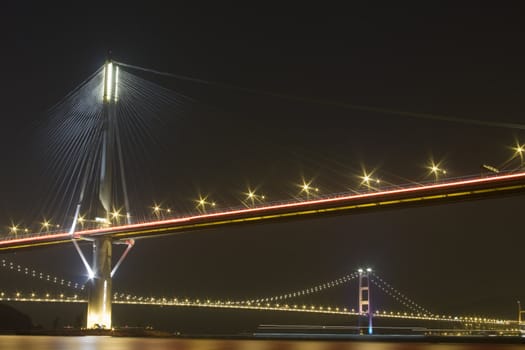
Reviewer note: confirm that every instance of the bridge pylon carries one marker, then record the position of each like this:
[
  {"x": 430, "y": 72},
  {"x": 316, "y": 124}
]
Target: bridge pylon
[
  {"x": 101, "y": 272},
  {"x": 364, "y": 296}
]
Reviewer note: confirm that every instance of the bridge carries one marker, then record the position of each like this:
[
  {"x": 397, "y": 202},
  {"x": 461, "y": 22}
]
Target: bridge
[
  {"x": 363, "y": 282},
  {"x": 471, "y": 188},
  {"x": 99, "y": 166}
]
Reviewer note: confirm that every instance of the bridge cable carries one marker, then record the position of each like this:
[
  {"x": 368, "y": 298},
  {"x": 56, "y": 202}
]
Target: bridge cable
[
  {"x": 428, "y": 116},
  {"x": 10, "y": 265},
  {"x": 306, "y": 291},
  {"x": 397, "y": 295}
]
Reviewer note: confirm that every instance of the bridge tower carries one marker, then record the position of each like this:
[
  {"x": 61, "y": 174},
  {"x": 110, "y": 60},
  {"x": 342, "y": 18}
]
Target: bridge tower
[
  {"x": 100, "y": 271},
  {"x": 520, "y": 315},
  {"x": 364, "y": 296},
  {"x": 99, "y": 299}
]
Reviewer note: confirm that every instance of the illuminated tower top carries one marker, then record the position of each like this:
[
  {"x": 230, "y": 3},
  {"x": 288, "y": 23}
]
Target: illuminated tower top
[{"x": 110, "y": 89}]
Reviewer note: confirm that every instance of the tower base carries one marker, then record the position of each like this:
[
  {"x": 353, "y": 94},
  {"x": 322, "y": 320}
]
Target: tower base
[{"x": 99, "y": 300}]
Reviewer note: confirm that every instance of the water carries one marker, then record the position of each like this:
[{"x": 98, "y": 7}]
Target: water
[{"x": 110, "y": 343}]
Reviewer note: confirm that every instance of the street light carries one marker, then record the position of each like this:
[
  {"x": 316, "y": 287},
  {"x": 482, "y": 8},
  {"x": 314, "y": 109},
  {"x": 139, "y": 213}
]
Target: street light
[
  {"x": 436, "y": 170},
  {"x": 81, "y": 220},
  {"x": 252, "y": 197},
  {"x": 115, "y": 215},
  {"x": 157, "y": 210},
  {"x": 45, "y": 225},
  {"x": 367, "y": 179},
  {"x": 202, "y": 203},
  {"x": 307, "y": 188},
  {"x": 160, "y": 212},
  {"x": 13, "y": 229}
]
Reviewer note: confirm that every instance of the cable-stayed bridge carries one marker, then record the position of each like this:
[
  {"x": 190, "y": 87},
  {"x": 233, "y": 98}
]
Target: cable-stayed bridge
[{"x": 96, "y": 182}]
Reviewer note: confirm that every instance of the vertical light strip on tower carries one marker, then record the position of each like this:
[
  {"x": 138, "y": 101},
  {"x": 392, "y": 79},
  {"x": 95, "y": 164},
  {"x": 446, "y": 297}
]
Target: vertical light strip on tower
[
  {"x": 116, "y": 83},
  {"x": 104, "y": 302},
  {"x": 109, "y": 80}
]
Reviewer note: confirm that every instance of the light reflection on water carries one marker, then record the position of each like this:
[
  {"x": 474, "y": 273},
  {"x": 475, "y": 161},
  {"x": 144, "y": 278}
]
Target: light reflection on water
[{"x": 110, "y": 343}]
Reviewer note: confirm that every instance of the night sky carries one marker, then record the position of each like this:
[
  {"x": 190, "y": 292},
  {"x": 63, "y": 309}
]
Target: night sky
[{"x": 465, "y": 61}]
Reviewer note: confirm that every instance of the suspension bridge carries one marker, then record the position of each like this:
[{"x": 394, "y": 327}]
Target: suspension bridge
[
  {"x": 362, "y": 282},
  {"x": 96, "y": 182}
]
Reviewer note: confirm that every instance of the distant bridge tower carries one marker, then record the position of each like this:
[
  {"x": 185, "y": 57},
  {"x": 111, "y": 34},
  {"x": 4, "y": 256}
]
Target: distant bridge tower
[
  {"x": 520, "y": 315},
  {"x": 364, "y": 296}
]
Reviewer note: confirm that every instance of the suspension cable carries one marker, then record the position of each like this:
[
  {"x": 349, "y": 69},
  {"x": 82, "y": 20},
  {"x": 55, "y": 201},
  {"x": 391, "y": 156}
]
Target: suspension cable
[
  {"x": 397, "y": 295},
  {"x": 10, "y": 265}
]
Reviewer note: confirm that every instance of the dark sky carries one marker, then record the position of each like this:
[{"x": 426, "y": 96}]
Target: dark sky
[{"x": 464, "y": 61}]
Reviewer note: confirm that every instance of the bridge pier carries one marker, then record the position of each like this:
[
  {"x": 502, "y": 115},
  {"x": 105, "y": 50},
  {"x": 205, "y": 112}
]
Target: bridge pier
[{"x": 99, "y": 299}]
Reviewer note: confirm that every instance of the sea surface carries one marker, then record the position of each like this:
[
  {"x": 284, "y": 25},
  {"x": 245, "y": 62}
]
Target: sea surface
[{"x": 117, "y": 343}]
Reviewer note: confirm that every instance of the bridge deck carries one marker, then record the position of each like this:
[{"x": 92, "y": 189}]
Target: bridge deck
[{"x": 417, "y": 195}]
